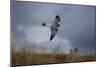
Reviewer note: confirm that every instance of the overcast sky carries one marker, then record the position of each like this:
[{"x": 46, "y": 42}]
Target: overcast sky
[{"x": 77, "y": 26}]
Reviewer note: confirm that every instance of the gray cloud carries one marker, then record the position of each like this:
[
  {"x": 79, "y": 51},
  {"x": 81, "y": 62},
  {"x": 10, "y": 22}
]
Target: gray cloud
[{"x": 77, "y": 26}]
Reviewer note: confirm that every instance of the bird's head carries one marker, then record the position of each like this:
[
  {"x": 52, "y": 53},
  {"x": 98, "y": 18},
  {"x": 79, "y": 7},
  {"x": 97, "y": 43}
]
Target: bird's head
[{"x": 43, "y": 24}]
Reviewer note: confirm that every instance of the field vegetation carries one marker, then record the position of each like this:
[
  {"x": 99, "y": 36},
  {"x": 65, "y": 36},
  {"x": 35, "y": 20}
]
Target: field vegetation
[{"x": 23, "y": 57}]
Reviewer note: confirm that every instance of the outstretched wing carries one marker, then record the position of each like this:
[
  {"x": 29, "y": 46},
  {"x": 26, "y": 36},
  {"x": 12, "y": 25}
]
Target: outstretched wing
[
  {"x": 53, "y": 33},
  {"x": 54, "y": 27},
  {"x": 57, "y": 19}
]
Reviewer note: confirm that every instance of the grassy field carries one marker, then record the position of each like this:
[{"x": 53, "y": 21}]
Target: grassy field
[{"x": 33, "y": 58}]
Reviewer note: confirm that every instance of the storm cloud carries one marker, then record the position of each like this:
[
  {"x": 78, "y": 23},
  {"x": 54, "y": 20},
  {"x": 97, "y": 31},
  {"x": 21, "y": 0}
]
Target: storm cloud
[{"x": 77, "y": 26}]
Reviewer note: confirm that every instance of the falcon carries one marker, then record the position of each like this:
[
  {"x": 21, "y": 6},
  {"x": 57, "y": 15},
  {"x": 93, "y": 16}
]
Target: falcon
[{"x": 54, "y": 26}]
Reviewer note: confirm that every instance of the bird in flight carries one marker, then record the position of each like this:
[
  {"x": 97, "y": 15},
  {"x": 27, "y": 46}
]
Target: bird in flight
[{"x": 54, "y": 26}]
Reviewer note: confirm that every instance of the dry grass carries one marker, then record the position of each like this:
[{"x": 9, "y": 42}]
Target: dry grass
[{"x": 29, "y": 58}]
